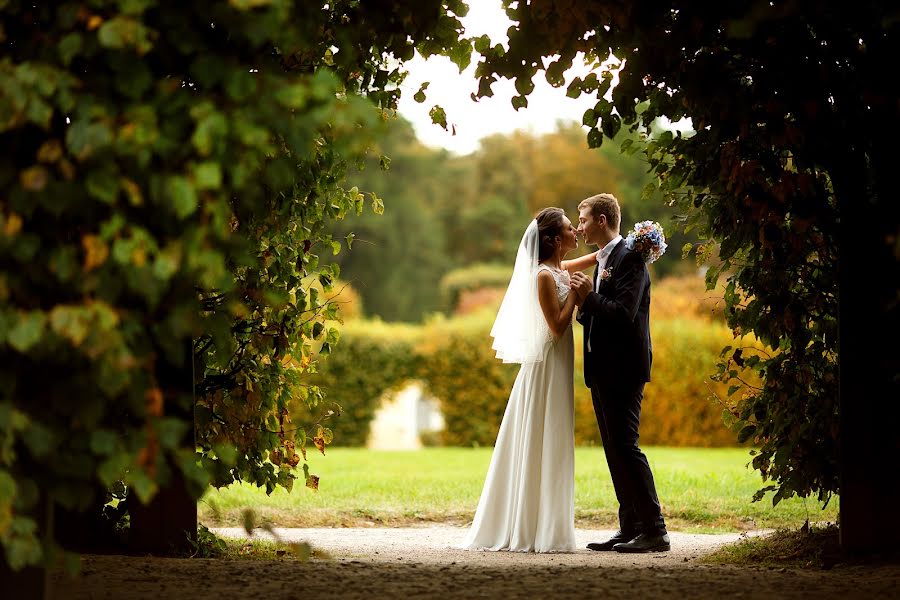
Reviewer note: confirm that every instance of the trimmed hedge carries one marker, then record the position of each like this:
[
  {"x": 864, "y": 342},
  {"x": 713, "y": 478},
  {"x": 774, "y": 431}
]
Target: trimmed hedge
[
  {"x": 679, "y": 406},
  {"x": 469, "y": 279},
  {"x": 371, "y": 358},
  {"x": 453, "y": 357},
  {"x": 459, "y": 368}
]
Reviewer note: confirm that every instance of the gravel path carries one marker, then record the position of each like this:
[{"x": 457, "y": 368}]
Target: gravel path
[
  {"x": 420, "y": 563},
  {"x": 434, "y": 545}
]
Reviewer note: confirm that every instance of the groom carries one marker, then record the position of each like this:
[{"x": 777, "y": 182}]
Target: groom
[{"x": 615, "y": 312}]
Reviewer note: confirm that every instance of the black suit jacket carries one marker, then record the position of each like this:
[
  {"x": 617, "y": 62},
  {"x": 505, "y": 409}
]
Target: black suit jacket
[{"x": 620, "y": 331}]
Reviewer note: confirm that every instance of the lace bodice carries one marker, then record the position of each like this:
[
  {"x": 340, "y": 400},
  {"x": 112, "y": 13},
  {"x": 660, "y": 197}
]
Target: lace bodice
[{"x": 561, "y": 277}]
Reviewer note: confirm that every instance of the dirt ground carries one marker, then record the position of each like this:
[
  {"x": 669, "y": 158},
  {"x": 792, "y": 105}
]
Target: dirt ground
[{"x": 422, "y": 563}]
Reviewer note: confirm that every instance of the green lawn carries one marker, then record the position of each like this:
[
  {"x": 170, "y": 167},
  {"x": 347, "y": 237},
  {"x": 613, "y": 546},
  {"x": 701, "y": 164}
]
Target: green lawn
[{"x": 701, "y": 490}]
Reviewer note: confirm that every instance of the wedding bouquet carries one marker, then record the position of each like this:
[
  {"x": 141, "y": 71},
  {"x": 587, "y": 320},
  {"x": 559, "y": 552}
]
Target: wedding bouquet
[{"x": 649, "y": 239}]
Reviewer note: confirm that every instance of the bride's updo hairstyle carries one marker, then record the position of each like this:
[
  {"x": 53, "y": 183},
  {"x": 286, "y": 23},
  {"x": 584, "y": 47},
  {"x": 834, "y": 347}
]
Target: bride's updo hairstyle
[{"x": 550, "y": 222}]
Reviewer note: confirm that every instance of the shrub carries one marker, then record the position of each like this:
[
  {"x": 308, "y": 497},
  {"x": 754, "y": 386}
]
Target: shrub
[
  {"x": 686, "y": 296},
  {"x": 459, "y": 368},
  {"x": 371, "y": 358},
  {"x": 453, "y": 357},
  {"x": 475, "y": 277}
]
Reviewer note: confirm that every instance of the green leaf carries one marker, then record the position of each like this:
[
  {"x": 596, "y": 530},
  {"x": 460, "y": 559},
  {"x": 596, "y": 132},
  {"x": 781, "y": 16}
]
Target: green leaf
[
  {"x": 293, "y": 96},
  {"x": 144, "y": 487},
  {"x": 249, "y": 5},
  {"x": 212, "y": 129},
  {"x": 333, "y": 336},
  {"x": 181, "y": 195},
  {"x": 249, "y": 520},
  {"x": 170, "y": 432},
  {"x": 438, "y": 116},
  {"x": 524, "y": 85},
  {"x": 420, "y": 95},
  {"x": 70, "y": 322},
  {"x": 69, "y": 47},
  {"x": 103, "y": 185},
  {"x": 240, "y": 85},
  {"x": 377, "y": 204},
  {"x": 103, "y": 442},
  {"x": 350, "y": 237},
  {"x": 461, "y": 54},
  {"x": 208, "y": 176},
  {"x": 27, "y": 331},
  {"x": 574, "y": 89},
  {"x": 21, "y": 545},
  {"x": 84, "y": 138},
  {"x": 594, "y": 138},
  {"x": 227, "y": 453},
  {"x": 746, "y": 433},
  {"x": 327, "y": 435},
  {"x": 611, "y": 125},
  {"x": 519, "y": 102},
  {"x": 39, "y": 439},
  {"x": 122, "y": 31}
]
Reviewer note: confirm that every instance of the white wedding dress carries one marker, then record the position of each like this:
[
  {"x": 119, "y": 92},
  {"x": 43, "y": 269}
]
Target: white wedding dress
[{"x": 528, "y": 500}]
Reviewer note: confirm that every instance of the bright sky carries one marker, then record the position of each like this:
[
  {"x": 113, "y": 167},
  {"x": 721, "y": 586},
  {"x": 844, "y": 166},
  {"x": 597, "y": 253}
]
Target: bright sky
[{"x": 451, "y": 90}]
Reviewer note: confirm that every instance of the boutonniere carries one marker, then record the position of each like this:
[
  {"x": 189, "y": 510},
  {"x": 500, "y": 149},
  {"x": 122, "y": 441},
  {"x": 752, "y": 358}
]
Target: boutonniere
[{"x": 605, "y": 274}]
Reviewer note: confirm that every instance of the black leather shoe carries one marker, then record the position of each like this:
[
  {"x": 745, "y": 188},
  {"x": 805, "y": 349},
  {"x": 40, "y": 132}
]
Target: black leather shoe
[
  {"x": 617, "y": 538},
  {"x": 646, "y": 543}
]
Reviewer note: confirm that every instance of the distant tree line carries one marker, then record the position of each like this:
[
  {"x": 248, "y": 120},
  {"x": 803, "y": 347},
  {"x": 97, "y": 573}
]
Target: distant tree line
[{"x": 444, "y": 211}]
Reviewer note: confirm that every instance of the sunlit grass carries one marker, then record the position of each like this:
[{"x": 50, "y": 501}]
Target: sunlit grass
[
  {"x": 701, "y": 490},
  {"x": 817, "y": 547}
]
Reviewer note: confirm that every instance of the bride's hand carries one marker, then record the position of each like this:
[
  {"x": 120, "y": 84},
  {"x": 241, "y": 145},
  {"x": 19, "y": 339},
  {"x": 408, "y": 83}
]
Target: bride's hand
[{"x": 581, "y": 285}]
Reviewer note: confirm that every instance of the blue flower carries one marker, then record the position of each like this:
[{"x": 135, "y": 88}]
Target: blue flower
[{"x": 649, "y": 239}]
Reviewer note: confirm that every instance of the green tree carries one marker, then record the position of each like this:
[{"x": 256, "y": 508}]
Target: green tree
[
  {"x": 398, "y": 257},
  {"x": 783, "y": 170},
  {"x": 172, "y": 174}
]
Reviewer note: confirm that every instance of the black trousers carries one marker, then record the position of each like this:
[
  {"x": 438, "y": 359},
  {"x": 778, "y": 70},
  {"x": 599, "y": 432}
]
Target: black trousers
[{"x": 618, "y": 410}]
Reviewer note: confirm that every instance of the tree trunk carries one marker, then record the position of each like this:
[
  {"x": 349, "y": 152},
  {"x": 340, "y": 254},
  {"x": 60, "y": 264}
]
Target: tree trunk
[
  {"x": 868, "y": 361},
  {"x": 168, "y": 523}
]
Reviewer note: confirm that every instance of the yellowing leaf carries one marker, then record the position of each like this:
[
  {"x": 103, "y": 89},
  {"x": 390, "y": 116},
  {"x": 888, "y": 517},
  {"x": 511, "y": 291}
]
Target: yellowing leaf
[
  {"x": 13, "y": 225},
  {"x": 50, "y": 151},
  {"x": 327, "y": 435},
  {"x": 95, "y": 251},
  {"x": 94, "y": 22},
  {"x": 133, "y": 191},
  {"x": 139, "y": 257},
  {"x": 34, "y": 179},
  {"x": 70, "y": 322}
]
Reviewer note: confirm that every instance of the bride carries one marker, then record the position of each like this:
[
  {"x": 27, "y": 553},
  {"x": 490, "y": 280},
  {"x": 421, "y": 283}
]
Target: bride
[{"x": 528, "y": 503}]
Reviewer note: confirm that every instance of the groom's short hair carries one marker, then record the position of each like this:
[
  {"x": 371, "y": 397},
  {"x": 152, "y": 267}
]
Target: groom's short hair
[{"x": 603, "y": 204}]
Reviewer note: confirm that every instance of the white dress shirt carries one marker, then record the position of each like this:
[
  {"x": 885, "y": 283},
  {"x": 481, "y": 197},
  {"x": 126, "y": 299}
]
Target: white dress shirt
[{"x": 602, "y": 257}]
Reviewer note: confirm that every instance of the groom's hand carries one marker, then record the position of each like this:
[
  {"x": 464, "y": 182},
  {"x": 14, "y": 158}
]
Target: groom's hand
[{"x": 581, "y": 286}]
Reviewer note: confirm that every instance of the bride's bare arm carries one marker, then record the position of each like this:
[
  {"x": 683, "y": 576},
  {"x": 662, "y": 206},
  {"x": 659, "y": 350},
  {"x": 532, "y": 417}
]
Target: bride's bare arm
[
  {"x": 581, "y": 263},
  {"x": 558, "y": 317}
]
